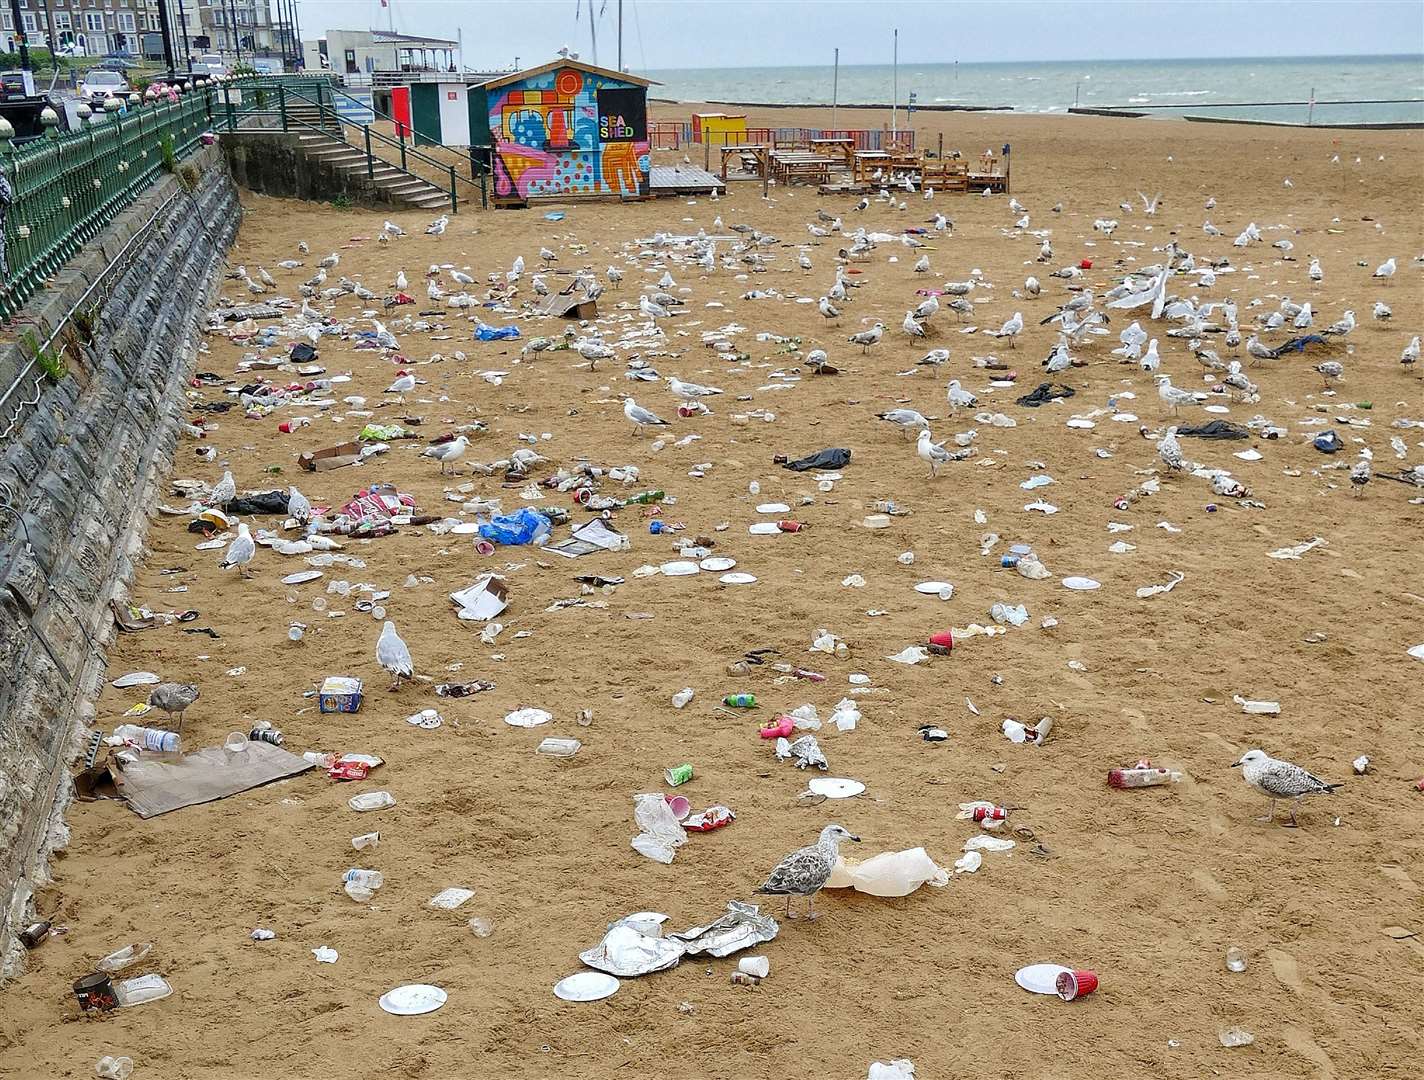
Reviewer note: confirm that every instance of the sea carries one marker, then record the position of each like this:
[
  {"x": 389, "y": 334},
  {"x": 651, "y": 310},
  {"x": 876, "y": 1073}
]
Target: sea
[{"x": 1235, "y": 88}]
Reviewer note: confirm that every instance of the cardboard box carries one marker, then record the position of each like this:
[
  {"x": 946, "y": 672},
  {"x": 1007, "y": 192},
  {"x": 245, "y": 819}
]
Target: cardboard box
[
  {"x": 332, "y": 457},
  {"x": 483, "y": 600},
  {"x": 340, "y": 693}
]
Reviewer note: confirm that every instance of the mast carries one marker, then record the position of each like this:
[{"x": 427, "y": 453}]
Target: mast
[
  {"x": 835, "y": 88},
  {"x": 894, "y": 82},
  {"x": 593, "y": 30},
  {"x": 620, "y": 36}
]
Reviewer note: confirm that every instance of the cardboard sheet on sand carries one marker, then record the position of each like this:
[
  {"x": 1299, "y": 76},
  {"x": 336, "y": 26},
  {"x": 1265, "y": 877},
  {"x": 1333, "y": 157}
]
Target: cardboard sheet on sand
[{"x": 155, "y": 785}]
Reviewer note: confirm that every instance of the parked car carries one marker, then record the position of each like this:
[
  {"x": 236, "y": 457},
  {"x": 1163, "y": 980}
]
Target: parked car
[
  {"x": 99, "y": 84},
  {"x": 211, "y": 63}
]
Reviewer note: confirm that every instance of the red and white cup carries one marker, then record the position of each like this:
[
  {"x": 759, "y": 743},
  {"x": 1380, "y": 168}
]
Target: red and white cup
[
  {"x": 942, "y": 642},
  {"x": 1072, "y": 985},
  {"x": 484, "y": 547},
  {"x": 679, "y": 805},
  {"x": 582, "y": 495}
]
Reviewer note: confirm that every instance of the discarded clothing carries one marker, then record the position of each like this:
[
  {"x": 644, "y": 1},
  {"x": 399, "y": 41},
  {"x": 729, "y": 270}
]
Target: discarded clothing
[
  {"x": 303, "y": 353},
  {"x": 1214, "y": 429},
  {"x": 1046, "y": 392},
  {"x": 832, "y": 458}
]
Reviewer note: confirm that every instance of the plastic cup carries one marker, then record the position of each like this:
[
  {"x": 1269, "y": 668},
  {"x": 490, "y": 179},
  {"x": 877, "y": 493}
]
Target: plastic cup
[
  {"x": 236, "y": 742},
  {"x": 484, "y": 547},
  {"x": 759, "y": 966},
  {"x": 679, "y": 805},
  {"x": 1072, "y": 985}
]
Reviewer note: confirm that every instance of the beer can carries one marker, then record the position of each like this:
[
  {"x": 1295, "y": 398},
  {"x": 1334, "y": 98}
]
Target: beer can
[
  {"x": 989, "y": 813},
  {"x": 792, "y": 526},
  {"x": 678, "y": 774},
  {"x": 582, "y": 495},
  {"x": 267, "y": 735}
]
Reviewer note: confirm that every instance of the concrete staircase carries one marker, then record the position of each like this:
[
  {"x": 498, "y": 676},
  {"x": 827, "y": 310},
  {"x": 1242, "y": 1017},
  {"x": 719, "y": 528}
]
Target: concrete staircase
[{"x": 395, "y": 182}]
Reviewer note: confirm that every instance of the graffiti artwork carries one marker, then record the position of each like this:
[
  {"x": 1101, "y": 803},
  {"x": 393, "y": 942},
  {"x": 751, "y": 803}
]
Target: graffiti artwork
[{"x": 569, "y": 132}]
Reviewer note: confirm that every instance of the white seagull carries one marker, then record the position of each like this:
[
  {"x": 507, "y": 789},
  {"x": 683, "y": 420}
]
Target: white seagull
[
  {"x": 1278, "y": 779},
  {"x": 240, "y": 551},
  {"x": 640, "y": 417},
  {"x": 448, "y": 453},
  {"x": 393, "y": 655}
]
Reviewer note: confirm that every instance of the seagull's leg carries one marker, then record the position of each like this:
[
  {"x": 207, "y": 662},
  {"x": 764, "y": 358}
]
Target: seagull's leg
[
  {"x": 811, "y": 915},
  {"x": 1292, "y": 823},
  {"x": 788, "y": 907},
  {"x": 1272, "y": 815}
]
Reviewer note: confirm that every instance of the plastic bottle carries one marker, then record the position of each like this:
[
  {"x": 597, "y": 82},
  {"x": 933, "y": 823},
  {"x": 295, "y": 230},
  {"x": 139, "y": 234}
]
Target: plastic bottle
[
  {"x": 682, "y": 697},
  {"x": 148, "y": 738},
  {"x": 1236, "y": 959},
  {"x": 643, "y": 498},
  {"x": 740, "y": 701},
  {"x": 1142, "y": 777},
  {"x": 365, "y": 879},
  {"x": 114, "y": 1068},
  {"x": 321, "y": 761}
]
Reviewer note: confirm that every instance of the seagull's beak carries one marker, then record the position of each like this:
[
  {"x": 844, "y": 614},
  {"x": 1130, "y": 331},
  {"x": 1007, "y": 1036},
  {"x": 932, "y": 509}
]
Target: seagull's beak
[
  {"x": 1234, "y": 764},
  {"x": 851, "y": 836}
]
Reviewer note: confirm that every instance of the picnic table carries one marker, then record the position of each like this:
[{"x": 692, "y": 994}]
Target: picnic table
[
  {"x": 791, "y": 166},
  {"x": 842, "y": 148},
  {"x": 750, "y": 156},
  {"x": 865, "y": 162}
]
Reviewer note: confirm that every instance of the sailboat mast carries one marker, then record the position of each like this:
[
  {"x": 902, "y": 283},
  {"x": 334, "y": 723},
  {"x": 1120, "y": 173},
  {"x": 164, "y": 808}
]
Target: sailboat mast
[{"x": 620, "y": 35}]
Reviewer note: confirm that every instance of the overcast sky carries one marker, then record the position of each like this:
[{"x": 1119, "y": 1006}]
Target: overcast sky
[{"x": 751, "y": 33}]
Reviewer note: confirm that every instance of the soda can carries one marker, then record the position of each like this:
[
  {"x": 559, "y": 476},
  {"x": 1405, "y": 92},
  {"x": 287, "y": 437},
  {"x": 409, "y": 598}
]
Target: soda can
[
  {"x": 740, "y": 701},
  {"x": 96, "y": 992},
  {"x": 685, "y": 411},
  {"x": 989, "y": 813},
  {"x": 678, "y": 774},
  {"x": 34, "y": 935},
  {"x": 1009, "y": 560},
  {"x": 792, "y": 526},
  {"x": 267, "y": 735}
]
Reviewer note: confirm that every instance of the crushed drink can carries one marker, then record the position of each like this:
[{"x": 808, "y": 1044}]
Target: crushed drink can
[
  {"x": 582, "y": 495},
  {"x": 267, "y": 735},
  {"x": 989, "y": 813},
  {"x": 740, "y": 701},
  {"x": 677, "y": 775},
  {"x": 792, "y": 526}
]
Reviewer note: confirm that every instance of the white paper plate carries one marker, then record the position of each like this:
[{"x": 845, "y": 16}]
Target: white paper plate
[
  {"x": 763, "y": 528},
  {"x": 413, "y": 999},
  {"x": 1248, "y": 455},
  {"x": 679, "y": 569},
  {"x": 210, "y": 545},
  {"x": 717, "y": 563},
  {"x": 301, "y": 577},
  {"x": 135, "y": 678},
  {"x": 1078, "y": 422},
  {"x": 1125, "y": 417},
  {"x": 934, "y": 588},
  {"x": 1417, "y": 652},
  {"x": 465, "y": 528},
  {"x": 1040, "y": 978},
  {"x": 772, "y": 508},
  {"x": 833, "y": 787},
  {"x": 1215, "y": 409},
  {"x": 586, "y": 986},
  {"x": 1082, "y": 584},
  {"x": 736, "y": 579}
]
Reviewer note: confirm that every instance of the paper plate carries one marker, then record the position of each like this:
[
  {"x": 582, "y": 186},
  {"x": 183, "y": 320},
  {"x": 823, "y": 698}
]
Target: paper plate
[
  {"x": 1125, "y": 417},
  {"x": 679, "y": 569},
  {"x": 1082, "y": 584},
  {"x": 1417, "y": 652},
  {"x": 772, "y": 508},
  {"x": 934, "y": 588},
  {"x": 210, "y": 545},
  {"x": 135, "y": 678},
  {"x": 717, "y": 563},
  {"x": 835, "y": 787},
  {"x": 736, "y": 579},
  {"x": 586, "y": 986},
  {"x": 465, "y": 528},
  {"x": 1040, "y": 978},
  {"x": 301, "y": 577},
  {"x": 1248, "y": 455},
  {"x": 763, "y": 528},
  {"x": 1078, "y": 422},
  {"x": 412, "y": 999},
  {"x": 1215, "y": 409}
]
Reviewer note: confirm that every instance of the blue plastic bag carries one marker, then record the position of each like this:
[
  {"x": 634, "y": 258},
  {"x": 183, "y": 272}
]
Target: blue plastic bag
[
  {"x": 485, "y": 332},
  {"x": 524, "y": 526}
]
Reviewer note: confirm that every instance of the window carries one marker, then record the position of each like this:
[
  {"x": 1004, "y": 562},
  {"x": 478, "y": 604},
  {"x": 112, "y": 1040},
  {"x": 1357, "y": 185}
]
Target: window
[
  {"x": 6, "y": 22},
  {"x": 61, "y": 20},
  {"x": 126, "y": 21},
  {"x": 93, "y": 22},
  {"x": 27, "y": 20}
]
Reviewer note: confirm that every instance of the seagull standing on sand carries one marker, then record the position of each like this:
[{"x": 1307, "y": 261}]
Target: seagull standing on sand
[
  {"x": 173, "y": 698},
  {"x": 1330, "y": 370},
  {"x": 932, "y": 453},
  {"x": 640, "y": 417},
  {"x": 405, "y": 382},
  {"x": 805, "y": 871},
  {"x": 960, "y": 399},
  {"x": 298, "y": 506},
  {"x": 1360, "y": 473},
  {"x": 866, "y": 338},
  {"x": 1343, "y": 326},
  {"x": 447, "y": 453},
  {"x": 1173, "y": 397},
  {"x": 1170, "y": 451},
  {"x": 1385, "y": 269},
  {"x": 1012, "y": 329},
  {"x": 690, "y": 391},
  {"x": 1278, "y": 779},
  {"x": 224, "y": 491},
  {"x": 911, "y": 327},
  {"x": 393, "y": 655},
  {"x": 240, "y": 551},
  {"x": 1410, "y": 356}
]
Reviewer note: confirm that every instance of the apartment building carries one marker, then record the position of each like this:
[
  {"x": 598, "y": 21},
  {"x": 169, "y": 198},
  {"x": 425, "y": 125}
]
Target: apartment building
[{"x": 93, "y": 27}]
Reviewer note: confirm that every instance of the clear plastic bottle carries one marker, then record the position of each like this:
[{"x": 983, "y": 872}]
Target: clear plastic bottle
[
  {"x": 148, "y": 738},
  {"x": 682, "y": 697},
  {"x": 365, "y": 879},
  {"x": 1236, "y": 959},
  {"x": 1142, "y": 777},
  {"x": 321, "y": 761}
]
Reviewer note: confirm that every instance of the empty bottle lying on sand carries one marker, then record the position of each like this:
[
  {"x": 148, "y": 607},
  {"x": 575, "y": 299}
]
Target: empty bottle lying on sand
[
  {"x": 1142, "y": 776},
  {"x": 148, "y": 738}
]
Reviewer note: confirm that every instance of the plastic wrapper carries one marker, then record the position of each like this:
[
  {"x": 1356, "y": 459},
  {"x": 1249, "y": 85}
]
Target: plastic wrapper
[
  {"x": 661, "y": 833},
  {"x": 485, "y": 332},
  {"x": 714, "y": 817},
  {"x": 891, "y": 873},
  {"x": 807, "y": 751},
  {"x": 628, "y": 949}
]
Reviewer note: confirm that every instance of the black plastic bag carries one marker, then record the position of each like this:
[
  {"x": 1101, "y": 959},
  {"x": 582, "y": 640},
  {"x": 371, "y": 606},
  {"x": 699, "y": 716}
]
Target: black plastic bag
[{"x": 832, "y": 458}]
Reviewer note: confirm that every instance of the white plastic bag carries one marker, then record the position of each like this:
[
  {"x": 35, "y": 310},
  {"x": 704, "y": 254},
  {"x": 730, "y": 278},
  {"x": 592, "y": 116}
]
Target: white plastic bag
[{"x": 661, "y": 834}]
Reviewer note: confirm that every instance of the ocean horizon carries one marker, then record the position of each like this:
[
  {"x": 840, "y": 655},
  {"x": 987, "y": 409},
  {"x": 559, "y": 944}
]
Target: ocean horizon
[{"x": 1392, "y": 84}]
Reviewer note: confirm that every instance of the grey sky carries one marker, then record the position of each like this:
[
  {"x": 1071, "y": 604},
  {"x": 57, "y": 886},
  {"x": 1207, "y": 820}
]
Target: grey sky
[{"x": 750, "y": 33}]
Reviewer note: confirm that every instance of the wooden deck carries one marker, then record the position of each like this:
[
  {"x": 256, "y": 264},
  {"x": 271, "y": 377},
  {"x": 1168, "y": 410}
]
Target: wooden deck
[{"x": 684, "y": 180}]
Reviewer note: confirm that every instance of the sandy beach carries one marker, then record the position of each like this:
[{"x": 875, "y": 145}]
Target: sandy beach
[{"x": 1148, "y": 888}]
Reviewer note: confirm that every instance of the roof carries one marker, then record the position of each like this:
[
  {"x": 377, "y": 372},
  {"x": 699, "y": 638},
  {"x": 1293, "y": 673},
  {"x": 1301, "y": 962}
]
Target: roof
[
  {"x": 578, "y": 65},
  {"x": 390, "y": 37}
]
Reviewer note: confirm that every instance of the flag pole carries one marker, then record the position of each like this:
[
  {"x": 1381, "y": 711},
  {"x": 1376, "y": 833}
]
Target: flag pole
[
  {"x": 835, "y": 88},
  {"x": 894, "y": 83}
]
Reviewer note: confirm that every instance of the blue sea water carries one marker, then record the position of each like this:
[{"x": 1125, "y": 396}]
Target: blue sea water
[{"x": 1204, "y": 87}]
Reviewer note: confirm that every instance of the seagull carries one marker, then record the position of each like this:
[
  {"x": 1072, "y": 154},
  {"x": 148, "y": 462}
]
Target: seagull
[
  {"x": 911, "y": 327},
  {"x": 1385, "y": 269},
  {"x": 393, "y": 655},
  {"x": 640, "y": 417},
  {"x": 330, "y": 262},
  {"x": 932, "y": 453},
  {"x": 224, "y": 491},
  {"x": 405, "y": 381},
  {"x": 298, "y": 506},
  {"x": 1382, "y": 311},
  {"x": 928, "y": 307},
  {"x": 1045, "y": 251},
  {"x": 1316, "y": 274},
  {"x": 1132, "y": 338},
  {"x": 934, "y": 357},
  {"x": 1343, "y": 327},
  {"x": 866, "y": 338},
  {"x": 1278, "y": 779},
  {"x": 907, "y": 420},
  {"x": 1259, "y": 351},
  {"x": 173, "y": 698},
  {"x": 402, "y": 282},
  {"x": 1149, "y": 206},
  {"x": 1303, "y": 320},
  {"x": 1410, "y": 355},
  {"x": 1150, "y": 360},
  {"x": 1360, "y": 474},
  {"x": 547, "y": 255},
  {"x": 615, "y": 276},
  {"x": 690, "y": 391},
  {"x": 922, "y": 265},
  {"x": 392, "y": 228},
  {"x": 461, "y": 277},
  {"x": 650, "y": 309},
  {"x": 1170, "y": 451},
  {"x": 1012, "y": 328},
  {"x": 265, "y": 277},
  {"x": 437, "y": 227},
  {"x": 593, "y": 351},
  {"x": 805, "y": 871},
  {"x": 960, "y": 399},
  {"x": 1173, "y": 397},
  {"x": 1330, "y": 369},
  {"x": 448, "y": 453},
  {"x": 240, "y": 551},
  {"x": 1236, "y": 380},
  {"x": 1032, "y": 287},
  {"x": 1209, "y": 229}
]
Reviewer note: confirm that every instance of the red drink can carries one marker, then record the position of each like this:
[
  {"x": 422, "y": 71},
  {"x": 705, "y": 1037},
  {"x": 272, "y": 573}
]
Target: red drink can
[
  {"x": 989, "y": 813},
  {"x": 792, "y": 526},
  {"x": 582, "y": 495}
]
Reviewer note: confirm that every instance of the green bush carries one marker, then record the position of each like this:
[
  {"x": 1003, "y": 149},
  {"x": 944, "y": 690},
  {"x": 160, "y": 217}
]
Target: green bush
[{"x": 170, "y": 157}]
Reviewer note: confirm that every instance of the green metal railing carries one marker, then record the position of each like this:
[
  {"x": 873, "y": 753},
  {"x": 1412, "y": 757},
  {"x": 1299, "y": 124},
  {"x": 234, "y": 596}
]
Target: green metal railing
[{"x": 67, "y": 187}]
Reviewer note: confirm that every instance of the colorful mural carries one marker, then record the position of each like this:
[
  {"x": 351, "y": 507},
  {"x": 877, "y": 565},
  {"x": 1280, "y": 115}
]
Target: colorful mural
[{"x": 568, "y": 131}]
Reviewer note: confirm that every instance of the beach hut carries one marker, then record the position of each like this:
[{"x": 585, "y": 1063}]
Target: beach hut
[{"x": 564, "y": 130}]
